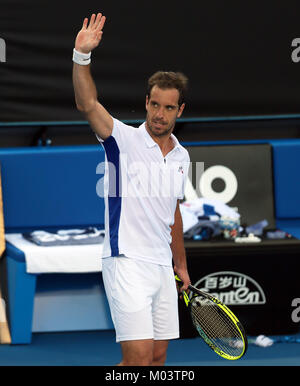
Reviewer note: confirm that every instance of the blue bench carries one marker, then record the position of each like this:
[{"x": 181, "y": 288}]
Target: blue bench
[{"x": 51, "y": 188}]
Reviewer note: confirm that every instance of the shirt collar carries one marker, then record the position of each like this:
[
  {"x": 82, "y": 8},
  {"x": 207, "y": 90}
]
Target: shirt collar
[{"x": 151, "y": 143}]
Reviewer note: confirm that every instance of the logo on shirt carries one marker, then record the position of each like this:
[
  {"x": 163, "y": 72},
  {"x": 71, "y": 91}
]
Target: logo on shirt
[{"x": 180, "y": 169}]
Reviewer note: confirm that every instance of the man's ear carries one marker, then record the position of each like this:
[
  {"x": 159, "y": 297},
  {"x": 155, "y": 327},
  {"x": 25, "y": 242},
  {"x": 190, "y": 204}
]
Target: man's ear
[
  {"x": 147, "y": 101},
  {"x": 180, "y": 111}
]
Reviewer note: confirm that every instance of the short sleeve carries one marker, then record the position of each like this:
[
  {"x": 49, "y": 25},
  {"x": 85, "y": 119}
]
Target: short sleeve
[{"x": 121, "y": 132}]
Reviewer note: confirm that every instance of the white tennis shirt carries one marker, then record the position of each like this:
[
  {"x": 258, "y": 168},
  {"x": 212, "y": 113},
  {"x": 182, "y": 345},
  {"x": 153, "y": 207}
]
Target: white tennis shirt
[{"x": 141, "y": 189}]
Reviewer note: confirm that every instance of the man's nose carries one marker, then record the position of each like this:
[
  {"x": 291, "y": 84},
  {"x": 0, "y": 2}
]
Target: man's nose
[{"x": 160, "y": 113}]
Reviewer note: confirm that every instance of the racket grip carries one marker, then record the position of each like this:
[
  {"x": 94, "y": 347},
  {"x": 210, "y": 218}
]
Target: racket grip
[
  {"x": 179, "y": 281},
  {"x": 185, "y": 295}
]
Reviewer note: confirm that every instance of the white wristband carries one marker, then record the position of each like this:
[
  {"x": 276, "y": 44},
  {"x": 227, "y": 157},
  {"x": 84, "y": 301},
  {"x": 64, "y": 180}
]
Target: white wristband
[{"x": 81, "y": 58}]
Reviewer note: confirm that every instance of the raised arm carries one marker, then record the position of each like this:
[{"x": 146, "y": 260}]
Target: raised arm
[{"x": 88, "y": 38}]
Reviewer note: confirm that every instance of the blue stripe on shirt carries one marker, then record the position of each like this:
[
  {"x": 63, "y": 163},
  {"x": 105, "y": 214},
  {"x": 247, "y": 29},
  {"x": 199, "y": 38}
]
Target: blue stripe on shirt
[{"x": 114, "y": 192}]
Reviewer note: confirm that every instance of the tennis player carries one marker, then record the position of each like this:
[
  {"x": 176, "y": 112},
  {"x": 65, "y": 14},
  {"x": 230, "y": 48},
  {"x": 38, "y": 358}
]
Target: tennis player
[{"x": 143, "y": 227}]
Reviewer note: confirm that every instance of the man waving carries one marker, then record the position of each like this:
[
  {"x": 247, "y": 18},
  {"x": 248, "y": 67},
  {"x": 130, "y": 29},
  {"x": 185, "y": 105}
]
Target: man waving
[{"x": 143, "y": 225}]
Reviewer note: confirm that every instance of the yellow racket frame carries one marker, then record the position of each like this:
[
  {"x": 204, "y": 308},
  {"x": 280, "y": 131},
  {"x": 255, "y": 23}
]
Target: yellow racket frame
[{"x": 227, "y": 311}]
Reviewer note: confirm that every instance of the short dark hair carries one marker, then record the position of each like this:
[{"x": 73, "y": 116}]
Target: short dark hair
[{"x": 169, "y": 79}]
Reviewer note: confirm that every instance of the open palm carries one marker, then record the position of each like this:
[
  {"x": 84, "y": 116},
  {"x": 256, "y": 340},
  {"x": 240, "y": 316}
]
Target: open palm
[{"x": 90, "y": 34}]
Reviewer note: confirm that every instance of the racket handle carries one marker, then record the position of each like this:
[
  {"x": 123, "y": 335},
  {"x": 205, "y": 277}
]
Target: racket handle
[
  {"x": 185, "y": 295},
  {"x": 180, "y": 283}
]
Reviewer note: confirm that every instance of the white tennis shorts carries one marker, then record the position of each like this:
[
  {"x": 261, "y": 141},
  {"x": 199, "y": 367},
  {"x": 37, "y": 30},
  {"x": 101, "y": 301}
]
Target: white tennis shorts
[{"x": 142, "y": 297}]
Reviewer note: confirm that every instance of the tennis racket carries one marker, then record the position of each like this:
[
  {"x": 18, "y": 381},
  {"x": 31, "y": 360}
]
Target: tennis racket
[{"x": 215, "y": 323}]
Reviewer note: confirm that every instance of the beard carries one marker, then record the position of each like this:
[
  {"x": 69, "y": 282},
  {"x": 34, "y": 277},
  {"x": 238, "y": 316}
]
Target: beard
[{"x": 159, "y": 128}]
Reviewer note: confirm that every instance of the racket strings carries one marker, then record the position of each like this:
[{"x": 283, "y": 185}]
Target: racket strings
[{"x": 216, "y": 327}]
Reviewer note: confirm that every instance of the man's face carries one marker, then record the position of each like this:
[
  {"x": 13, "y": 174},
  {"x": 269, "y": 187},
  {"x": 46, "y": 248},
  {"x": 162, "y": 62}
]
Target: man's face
[{"x": 162, "y": 111}]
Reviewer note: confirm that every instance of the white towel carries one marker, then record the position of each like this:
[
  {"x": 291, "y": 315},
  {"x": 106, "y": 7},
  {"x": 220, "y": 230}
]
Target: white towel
[
  {"x": 58, "y": 259},
  {"x": 190, "y": 210}
]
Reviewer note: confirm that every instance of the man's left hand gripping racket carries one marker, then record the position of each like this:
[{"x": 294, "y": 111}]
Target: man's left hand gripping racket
[{"x": 215, "y": 323}]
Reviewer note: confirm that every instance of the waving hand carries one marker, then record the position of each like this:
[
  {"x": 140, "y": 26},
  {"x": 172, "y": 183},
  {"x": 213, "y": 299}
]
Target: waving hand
[{"x": 90, "y": 34}]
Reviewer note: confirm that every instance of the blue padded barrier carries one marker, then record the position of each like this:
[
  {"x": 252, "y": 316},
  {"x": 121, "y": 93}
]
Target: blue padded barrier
[
  {"x": 286, "y": 162},
  {"x": 51, "y": 187}
]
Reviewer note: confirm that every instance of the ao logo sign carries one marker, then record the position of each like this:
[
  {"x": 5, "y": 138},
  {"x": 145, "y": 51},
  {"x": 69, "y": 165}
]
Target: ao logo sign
[
  {"x": 232, "y": 288},
  {"x": 205, "y": 184}
]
